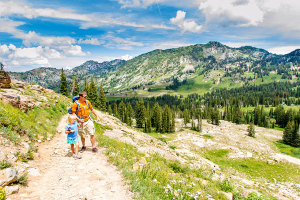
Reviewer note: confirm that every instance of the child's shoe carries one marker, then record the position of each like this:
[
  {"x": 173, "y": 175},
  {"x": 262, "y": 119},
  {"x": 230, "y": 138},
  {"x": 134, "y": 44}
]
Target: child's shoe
[{"x": 76, "y": 156}]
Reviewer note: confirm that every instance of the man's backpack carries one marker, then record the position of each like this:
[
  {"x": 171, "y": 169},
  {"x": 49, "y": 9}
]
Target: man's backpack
[{"x": 75, "y": 100}]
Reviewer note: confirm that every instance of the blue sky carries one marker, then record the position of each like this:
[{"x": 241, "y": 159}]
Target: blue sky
[{"x": 56, "y": 33}]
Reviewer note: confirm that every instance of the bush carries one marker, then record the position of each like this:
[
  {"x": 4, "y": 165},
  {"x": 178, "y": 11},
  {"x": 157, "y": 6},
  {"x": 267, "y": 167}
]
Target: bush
[
  {"x": 23, "y": 179},
  {"x": 4, "y": 164}
]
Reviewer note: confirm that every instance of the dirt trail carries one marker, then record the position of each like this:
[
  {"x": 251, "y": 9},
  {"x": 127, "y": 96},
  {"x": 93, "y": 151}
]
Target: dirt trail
[{"x": 63, "y": 177}]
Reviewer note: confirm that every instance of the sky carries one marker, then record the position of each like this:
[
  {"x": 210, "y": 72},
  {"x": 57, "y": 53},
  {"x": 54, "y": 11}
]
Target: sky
[{"x": 65, "y": 34}]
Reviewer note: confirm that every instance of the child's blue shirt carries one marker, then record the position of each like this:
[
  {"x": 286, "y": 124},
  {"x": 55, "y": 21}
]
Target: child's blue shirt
[{"x": 72, "y": 138}]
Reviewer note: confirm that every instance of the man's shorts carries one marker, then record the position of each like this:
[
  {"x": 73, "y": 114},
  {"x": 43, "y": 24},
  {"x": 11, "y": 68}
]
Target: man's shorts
[{"x": 87, "y": 128}]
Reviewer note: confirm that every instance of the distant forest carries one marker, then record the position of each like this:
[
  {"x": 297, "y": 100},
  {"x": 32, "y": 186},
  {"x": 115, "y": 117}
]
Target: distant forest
[{"x": 263, "y": 105}]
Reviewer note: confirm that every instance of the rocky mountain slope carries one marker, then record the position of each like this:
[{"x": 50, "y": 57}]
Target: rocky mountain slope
[
  {"x": 50, "y": 77},
  {"x": 213, "y": 64}
]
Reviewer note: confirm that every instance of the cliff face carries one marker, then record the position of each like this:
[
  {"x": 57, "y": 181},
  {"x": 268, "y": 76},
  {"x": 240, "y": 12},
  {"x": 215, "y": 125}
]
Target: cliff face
[{"x": 4, "y": 79}]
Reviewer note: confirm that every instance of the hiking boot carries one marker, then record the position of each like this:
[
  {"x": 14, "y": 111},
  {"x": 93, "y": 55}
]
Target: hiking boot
[
  {"x": 95, "y": 149},
  {"x": 83, "y": 148},
  {"x": 76, "y": 156}
]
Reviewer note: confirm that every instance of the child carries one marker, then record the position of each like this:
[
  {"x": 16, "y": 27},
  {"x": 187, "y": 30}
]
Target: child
[{"x": 72, "y": 138}]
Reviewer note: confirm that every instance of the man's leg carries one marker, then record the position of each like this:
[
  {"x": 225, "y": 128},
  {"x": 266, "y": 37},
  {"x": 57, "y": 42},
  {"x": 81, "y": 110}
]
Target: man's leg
[
  {"x": 93, "y": 140},
  {"x": 81, "y": 133}
]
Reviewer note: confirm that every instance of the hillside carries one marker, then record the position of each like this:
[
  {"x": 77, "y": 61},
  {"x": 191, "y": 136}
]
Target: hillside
[
  {"x": 221, "y": 162},
  {"x": 50, "y": 77},
  {"x": 193, "y": 69}
]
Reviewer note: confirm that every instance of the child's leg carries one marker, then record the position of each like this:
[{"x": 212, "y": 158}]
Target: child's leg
[
  {"x": 76, "y": 147},
  {"x": 72, "y": 148}
]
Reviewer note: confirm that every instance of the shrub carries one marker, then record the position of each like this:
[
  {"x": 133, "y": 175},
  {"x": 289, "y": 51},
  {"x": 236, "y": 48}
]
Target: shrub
[
  {"x": 4, "y": 164},
  {"x": 23, "y": 179}
]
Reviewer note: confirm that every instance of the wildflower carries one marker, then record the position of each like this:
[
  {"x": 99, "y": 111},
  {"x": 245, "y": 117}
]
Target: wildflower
[
  {"x": 154, "y": 180},
  {"x": 173, "y": 181}
]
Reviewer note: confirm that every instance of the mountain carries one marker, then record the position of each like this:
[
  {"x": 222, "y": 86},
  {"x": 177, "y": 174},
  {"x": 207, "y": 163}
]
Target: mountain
[
  {"x": 210, "y": 65},
  {"x": 50, "y": 77},
  {"x": 191, "y": 69}
]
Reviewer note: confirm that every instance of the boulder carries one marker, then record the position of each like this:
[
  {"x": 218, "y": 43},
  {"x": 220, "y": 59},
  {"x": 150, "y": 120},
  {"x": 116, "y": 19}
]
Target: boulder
[
  {"x": 11, "y": 189},
  {"x": 4, "y": 79},
  {"x": 34, "y": 172},
  {"x": 23, "y": 102},
  {"x": 11, "y": 176}
]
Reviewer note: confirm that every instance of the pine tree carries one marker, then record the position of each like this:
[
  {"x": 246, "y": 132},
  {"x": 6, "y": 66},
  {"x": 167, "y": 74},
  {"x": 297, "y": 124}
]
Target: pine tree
[
  {"x": 140, "y": 113},
  {"x": 129, "y": 113},
  {"x": 121, "y": 111},
  {"x": 173, "y": 122},
  {"x": 199, "y": 122},
  {"x": 93, "y": 94},
  {"x": 296, "y": 137},
  {"x": 288, "y": 133},
  {"x": 86, "y": 86},
  {"x": 186, "y": 117},
  {"x": 251, "y": 130},
  {"x": 109, "y": 110},
  {"x": 115, "y": 111},
  {"x": 102, "y": 99},
  {"x": 166, "y": 123},
  {"x": 63, "y": 83},
  {"x": 76, "y": 87},
  {"x": 156, "y": 117}
]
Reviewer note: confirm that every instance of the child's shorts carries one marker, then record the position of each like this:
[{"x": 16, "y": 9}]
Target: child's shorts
[{"x": 72, "y": 140}]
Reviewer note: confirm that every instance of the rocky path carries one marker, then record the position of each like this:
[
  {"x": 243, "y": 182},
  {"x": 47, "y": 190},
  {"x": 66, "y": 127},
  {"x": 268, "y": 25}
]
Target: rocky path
[{"x": 56, "y": 175}]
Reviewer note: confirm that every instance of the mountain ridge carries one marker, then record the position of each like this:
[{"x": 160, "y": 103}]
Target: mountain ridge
[{"x": 160, "y": 67}]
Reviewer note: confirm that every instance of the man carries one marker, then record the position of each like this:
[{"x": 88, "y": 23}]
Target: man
[{"x": 86, "y": 123}]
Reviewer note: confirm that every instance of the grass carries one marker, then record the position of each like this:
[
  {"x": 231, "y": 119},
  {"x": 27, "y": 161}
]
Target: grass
[
  {"x": 36, "y": 123},
  {"x": 159, "y": 178},
  {"x": 23, "y": 179},
  {"x": 287, "y": 149},
  {"x": 254, "y": 169},
  {"x": 207, "y": 136},
  {"x": 4, "y": 164}
]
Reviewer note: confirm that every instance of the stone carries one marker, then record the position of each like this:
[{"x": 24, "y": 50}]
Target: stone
[
  {"x": 4, "y": 78},
  {"x": 229, "y": 195},
  {"x": 34, "y": 172},
  {"x": 23, "y": 102},
  {"x": 11, "y": 189},
  {"x": 11, "y": 176}
]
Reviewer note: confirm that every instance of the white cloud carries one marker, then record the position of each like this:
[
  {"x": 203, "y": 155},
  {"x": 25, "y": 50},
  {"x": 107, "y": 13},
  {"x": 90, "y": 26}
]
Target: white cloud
[
  {"x": 185, "y": 24},
  {"x": 169, "y": 45},
  {"x": 241, "y": 13},
  {"x": 114, "y": 42},
  {"x": 240, "y": 44},
  {"x": 33, "y": 38},
  {"x": 73, "y": 50},
  {"x": 14, "y": 7},
  {"x": 92, "y": 41},
  {"x": 137, "y": 3},
  {"x": 283, "y": 49},
  {"x": 4, "y": 49}
]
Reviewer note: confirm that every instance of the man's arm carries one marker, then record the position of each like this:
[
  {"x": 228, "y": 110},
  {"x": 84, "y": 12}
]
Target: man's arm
[{"x": 94, "y": 112}]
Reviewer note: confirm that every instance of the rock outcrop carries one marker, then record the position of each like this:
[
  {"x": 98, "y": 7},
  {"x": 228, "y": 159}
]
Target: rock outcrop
[{"x": 4, "y": 78}]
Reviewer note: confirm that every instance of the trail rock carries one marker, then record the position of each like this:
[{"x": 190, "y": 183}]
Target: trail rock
[
  {"x": 10, "y": 177},
  {"x": 11, "y": 189},
  {"x": 229, "y": 195},
  {"x": 34, "y": 172}
]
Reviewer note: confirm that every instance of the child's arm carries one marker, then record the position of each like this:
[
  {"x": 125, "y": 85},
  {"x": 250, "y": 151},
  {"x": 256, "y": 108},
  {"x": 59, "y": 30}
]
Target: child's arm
[{"x": 69, "y": 131}]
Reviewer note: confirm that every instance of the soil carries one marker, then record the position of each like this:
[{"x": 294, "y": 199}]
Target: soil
[{"x": 56, "y": 175}]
